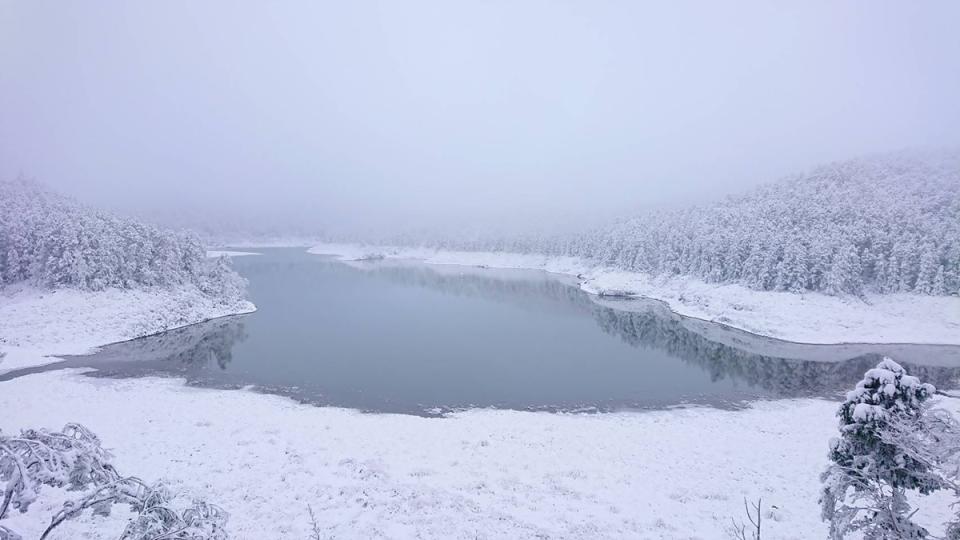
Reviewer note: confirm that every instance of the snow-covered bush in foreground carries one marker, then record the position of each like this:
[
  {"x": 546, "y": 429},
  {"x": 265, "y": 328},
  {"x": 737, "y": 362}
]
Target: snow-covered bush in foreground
[
  {"x": 891, "y": 442},
  {"x": 50, "y": 241},
  {"x": 74, "y": 459}
]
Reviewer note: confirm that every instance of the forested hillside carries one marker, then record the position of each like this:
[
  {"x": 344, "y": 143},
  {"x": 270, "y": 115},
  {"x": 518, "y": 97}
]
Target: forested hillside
[
  {"x": 50, "y": 241},
  {"x": 882, "y": 224}
]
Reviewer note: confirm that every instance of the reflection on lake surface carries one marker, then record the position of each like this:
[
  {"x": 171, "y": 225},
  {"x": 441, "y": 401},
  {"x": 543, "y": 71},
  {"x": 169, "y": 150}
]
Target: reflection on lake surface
[{"x": 403, "y": 337}]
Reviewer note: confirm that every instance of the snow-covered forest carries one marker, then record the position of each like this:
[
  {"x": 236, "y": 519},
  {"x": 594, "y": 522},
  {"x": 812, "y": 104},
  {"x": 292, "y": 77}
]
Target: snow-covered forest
[
  {"x": 50, "y": 241},
  {"x": 883, "y": 224}
]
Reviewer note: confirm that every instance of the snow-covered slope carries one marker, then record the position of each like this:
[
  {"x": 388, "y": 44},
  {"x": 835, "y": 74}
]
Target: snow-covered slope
[
  {"x": 884, "y": 223},
  {"x": 807, "y": 318}
]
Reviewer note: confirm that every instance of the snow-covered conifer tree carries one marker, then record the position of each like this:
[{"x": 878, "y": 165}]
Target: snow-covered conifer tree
[
  {"x": 939, "y": 286},
  {"x": 866, "y": 484},
  {"x": 926, "y": 272}
]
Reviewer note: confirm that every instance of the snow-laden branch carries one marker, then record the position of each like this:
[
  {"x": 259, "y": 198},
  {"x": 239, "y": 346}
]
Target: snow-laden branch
[{"x": 74, "y": 459}]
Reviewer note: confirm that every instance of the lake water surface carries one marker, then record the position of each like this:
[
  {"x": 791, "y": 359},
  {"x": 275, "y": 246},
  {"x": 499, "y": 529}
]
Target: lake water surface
[{"x": 389, "y": 336}]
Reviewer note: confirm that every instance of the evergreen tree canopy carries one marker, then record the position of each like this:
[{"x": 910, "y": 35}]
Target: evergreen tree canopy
[{"x": 50, "y": 241}]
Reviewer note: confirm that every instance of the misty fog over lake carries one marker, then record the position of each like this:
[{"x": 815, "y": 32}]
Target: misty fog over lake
[{"x": 367, "y": 118}]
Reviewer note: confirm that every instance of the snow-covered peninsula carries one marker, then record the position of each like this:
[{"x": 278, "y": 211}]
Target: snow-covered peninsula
[{"x": 73, "y": 278}]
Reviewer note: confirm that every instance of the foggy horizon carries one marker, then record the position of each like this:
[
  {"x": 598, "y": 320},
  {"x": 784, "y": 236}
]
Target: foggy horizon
[{"x": 373, "y": 118}]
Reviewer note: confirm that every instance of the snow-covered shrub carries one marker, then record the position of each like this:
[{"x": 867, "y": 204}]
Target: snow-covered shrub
[
  {"x": 51, "y": 241},
  {"x": 156, "y": 519},
  {"x": 71, "y": 458},
  {"x": 74, "y": 459},
  {"x": 872, "y": 466}
]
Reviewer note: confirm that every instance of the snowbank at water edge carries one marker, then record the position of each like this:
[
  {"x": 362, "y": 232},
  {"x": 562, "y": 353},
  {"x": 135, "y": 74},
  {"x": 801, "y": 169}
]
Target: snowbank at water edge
[{"x": 35, "y": 323}]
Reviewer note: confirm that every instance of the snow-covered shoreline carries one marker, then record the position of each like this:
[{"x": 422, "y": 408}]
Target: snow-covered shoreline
[
  {"x": 228, "y": 253},
  {"x": 37, "y": 324},
  {"x": 802, "y": 318}
]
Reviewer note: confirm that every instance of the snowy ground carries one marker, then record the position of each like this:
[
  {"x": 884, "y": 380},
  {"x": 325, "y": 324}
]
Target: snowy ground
[
  {"x": 805, "y": 318},
  {"x": 480, "y": 474},
  {"x": 35, "y": 323}
]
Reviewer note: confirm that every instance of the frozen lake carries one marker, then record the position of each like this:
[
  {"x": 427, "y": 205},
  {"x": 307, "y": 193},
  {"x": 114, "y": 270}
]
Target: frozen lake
[{"x": 389, "y": 336}]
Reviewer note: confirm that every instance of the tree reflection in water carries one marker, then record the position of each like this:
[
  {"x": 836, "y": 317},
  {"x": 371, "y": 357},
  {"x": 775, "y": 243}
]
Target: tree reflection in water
[{"x": 653, "y": 326}]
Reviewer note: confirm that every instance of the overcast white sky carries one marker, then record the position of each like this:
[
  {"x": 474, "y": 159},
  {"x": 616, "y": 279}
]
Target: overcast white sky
[{"x": 403, "y": 114}]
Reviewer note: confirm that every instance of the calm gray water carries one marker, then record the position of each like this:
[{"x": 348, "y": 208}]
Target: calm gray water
[{"x": 405, "y": 337}]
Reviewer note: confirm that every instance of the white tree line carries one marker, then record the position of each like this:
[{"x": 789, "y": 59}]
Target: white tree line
[
  {"x": 883, "y": 224},
  {"x": 50, "y": 241}
]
